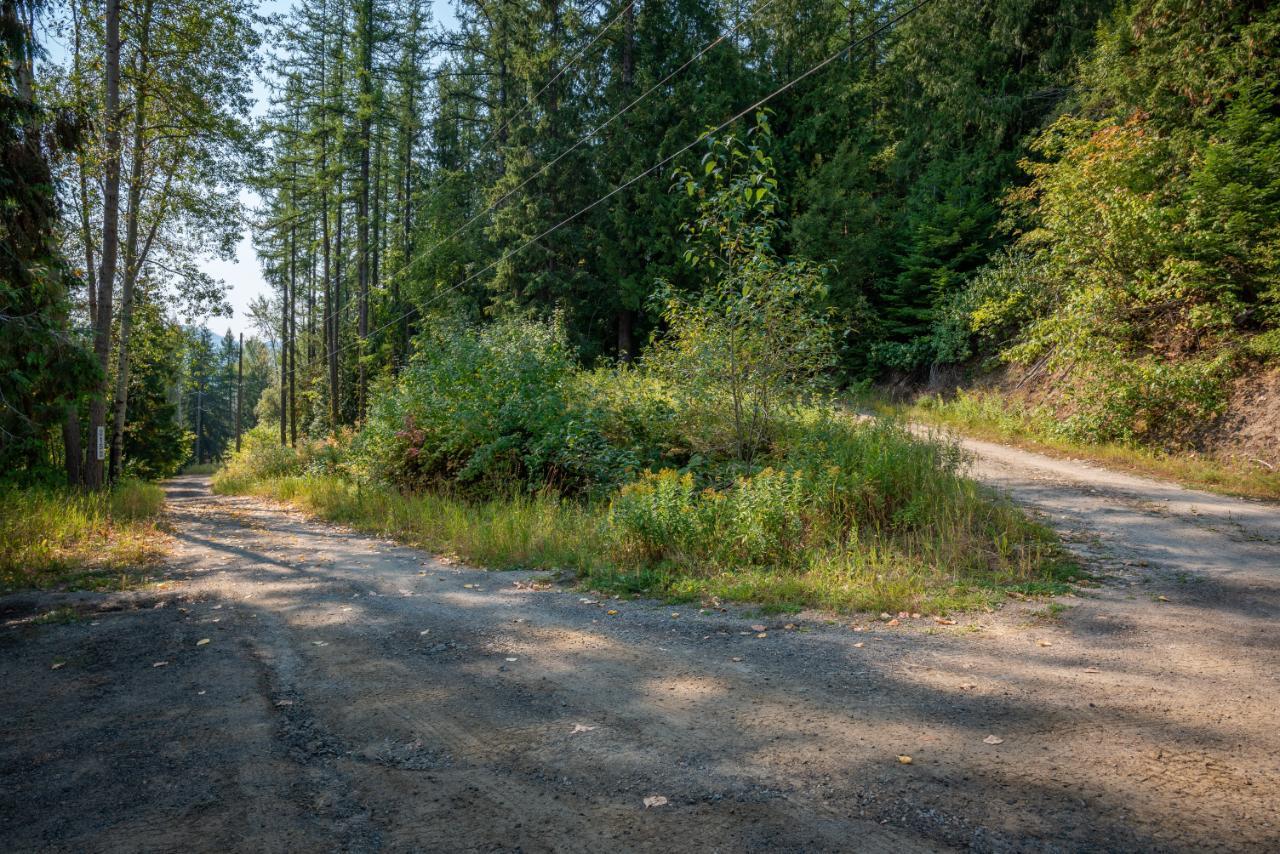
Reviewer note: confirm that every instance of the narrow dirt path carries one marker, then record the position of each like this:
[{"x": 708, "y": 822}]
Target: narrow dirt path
[{"x": 355, "y": 695}]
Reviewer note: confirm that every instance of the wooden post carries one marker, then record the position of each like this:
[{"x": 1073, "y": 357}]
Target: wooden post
[
  {"x": 239, "y": 392},
  {"x": 199, "y": 418}
]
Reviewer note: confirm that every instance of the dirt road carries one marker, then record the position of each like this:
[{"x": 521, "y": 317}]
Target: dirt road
[{"x": 355, "y": 695}]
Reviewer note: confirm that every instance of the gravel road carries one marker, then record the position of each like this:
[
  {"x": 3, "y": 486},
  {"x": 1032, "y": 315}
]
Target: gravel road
[{"x": 356, "y": 695}]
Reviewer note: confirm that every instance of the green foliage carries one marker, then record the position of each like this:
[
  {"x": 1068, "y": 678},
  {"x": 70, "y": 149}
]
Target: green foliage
[
  {"x": 754, "y": 339},
  {"x": 261, "y": 457},
  {"x": 841, "y": 495},
  {"x": 1149, "y": 263},
  {"x": 44, "y": 365},
  {"x": 481, "y": 408},
  {"x": 155, "y": 441}
]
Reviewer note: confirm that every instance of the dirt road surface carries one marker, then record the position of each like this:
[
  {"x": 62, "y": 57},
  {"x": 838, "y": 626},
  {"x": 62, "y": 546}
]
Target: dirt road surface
[{"x": 356, "y": 695}]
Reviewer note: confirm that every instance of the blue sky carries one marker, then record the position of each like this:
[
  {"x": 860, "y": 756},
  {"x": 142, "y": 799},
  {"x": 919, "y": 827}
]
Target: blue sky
[{"x": 244, "y": 275}]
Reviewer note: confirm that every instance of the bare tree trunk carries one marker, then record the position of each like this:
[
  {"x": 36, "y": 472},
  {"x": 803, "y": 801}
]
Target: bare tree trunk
[
  {"x": 336, "y": 376},
  {"x": 132, "y": 261},
  {"x": 626, "y": 316},
  {"x": 362, "y": 221},
  {"x": 284, "y": 363},
  {"x": 239, "y": 392},
  {"x": 291, "y": 322},
  {"x": 110, "y": 244},
  {"x": 86, "y": 227}
]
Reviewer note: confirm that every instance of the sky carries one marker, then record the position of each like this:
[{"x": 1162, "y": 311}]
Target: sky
[{"x": 244, "y": 274}]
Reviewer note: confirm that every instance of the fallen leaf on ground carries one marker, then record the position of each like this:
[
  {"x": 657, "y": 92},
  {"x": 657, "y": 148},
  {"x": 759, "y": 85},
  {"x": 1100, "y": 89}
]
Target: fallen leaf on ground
[
  {"x": 320, "y": 643},
  {"x": 763, "y": 635},
  {"x": 469, "y": 586},
  {"x": 655, "y": 801},
  {"x": 1045, "y": 643},
  {"x": 993, "y": 739},
  {"x": 1092, "y": 670},
  {"x": 915, "y": 616},
  {"x": 859, "y": 645},
  {"x": 675, "y": 615},
  {"x": 736, "y": 658},
  {"x": 884, "y": 615},
  {"x": 202, "y": 641},
  {"x": 57, "y": 665},
  {"x": 512, "y": 659},
  {"x": 894, "y": 622},
  {"x": 758, "y": 628},
  {"x": 611, "y": 612},
  {"x": 904, "y": 759},
  {"x": 577, "y": 728},
  {"x": 965, "y": 686},
  {"x": 1162, "y": 598},
  {"x": 943, "y": 621},
  {"x": 279, "y": 703},
  {"x": 160, "y": 664}
]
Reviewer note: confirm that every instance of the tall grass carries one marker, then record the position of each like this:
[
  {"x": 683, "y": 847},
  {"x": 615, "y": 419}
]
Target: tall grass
[
  {"x": 853, "y": 517},
  {"x": 518, "y": 531},
  {"x": 849, "y": 517},
  {"x": 52, "y": 536}
]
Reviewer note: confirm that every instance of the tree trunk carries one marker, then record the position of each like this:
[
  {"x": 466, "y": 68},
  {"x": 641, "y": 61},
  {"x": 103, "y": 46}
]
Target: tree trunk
[
  {"x": 132, "y": 262},
  {"x": 362, "y": 220},
  {"x": 239, "y": 391},
  {"x": 626, "y": 316},
  {"x": 110, "y": 243},
  {"x": 336, "y": 377},
  {"x": 71, "y": 443},
  {"x": 291, "y": 322}
]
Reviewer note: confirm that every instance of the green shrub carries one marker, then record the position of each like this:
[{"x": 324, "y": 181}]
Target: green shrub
[
  {"x": 483, "y": 407},
  {"x": 863, "y": 508},
  {"x": 261, "y": 457},
  {"x": 753, "y": 339}
]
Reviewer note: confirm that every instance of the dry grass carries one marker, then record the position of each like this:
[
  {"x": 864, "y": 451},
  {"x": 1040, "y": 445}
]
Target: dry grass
[
  {"x": 882, "y": 523},
  {"x": 55, "y": 537}
]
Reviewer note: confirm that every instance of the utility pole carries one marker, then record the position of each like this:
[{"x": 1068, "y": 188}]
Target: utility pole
[
  {"x": 239, "y": 392},
  {"x": 199, "y": 414}
]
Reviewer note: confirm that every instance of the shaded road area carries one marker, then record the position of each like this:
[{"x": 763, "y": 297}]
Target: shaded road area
[{"x": 356, "y": 695}]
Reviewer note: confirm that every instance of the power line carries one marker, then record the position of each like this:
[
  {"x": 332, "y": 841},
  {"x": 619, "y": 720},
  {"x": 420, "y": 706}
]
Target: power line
[
  {"x": 559, "y": 74},
  {"x": 887, "y": 25},
  {"x": 581, "y": 140}
]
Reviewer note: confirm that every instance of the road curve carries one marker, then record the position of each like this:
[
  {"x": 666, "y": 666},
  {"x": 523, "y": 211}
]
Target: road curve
[{"x": 356, "y": 695}]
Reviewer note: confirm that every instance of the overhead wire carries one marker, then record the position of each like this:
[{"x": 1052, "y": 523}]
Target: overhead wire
[{"x": 814, "y": 69}]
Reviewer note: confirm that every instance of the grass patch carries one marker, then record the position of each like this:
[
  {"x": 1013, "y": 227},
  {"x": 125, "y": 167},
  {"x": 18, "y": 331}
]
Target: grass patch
[
  {"x": 520, "y": 531},
  {"x": 200, "y": 468},
  {"x": 56, "y": 537},
  {"x": 986, "y": 415},
  {"x": 855, "y": 518}
]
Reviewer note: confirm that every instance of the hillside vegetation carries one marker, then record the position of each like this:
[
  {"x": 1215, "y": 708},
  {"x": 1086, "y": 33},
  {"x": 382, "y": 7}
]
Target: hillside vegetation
[{"x": 611, "y": 262}]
